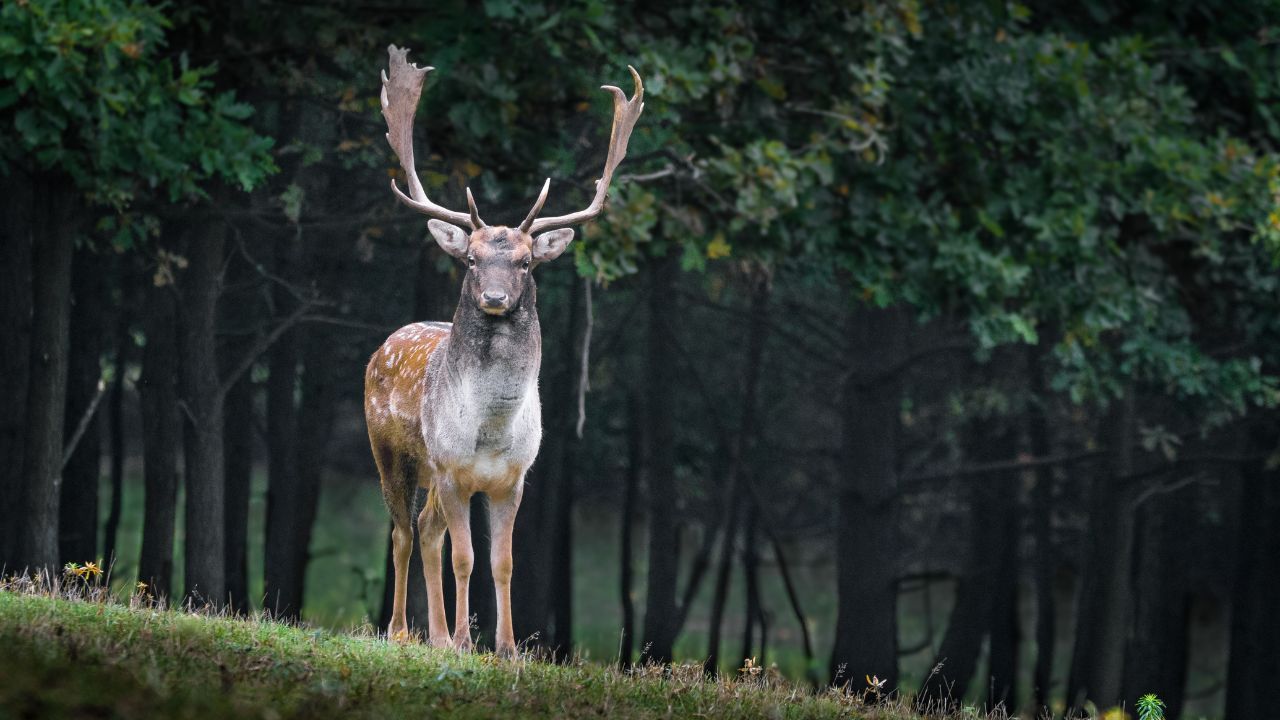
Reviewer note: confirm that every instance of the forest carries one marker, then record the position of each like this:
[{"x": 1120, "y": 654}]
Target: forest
[{"x": 923, "y": 347}]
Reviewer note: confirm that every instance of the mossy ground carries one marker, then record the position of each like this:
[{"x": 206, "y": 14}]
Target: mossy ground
[{"x": 62, "y": 657}]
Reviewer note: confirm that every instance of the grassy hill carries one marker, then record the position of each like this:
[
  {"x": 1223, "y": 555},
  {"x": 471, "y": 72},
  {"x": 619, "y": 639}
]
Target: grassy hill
[{"x": 63, "y": 657}]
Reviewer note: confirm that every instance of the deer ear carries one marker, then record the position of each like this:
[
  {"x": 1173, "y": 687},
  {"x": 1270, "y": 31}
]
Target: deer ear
[
  {"x": 451, "y": 238},
  {"x": 549, "y": 245}
]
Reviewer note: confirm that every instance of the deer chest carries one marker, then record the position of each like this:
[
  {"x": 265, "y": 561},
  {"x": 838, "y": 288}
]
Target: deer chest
[{"x": 483, "y": 423}]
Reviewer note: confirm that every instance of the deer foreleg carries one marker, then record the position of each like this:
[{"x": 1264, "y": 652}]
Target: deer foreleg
[
  {"x": 502, "y": 519},
  {"x": 457, "y": 512},
  {"x": 431, "y": 527}
]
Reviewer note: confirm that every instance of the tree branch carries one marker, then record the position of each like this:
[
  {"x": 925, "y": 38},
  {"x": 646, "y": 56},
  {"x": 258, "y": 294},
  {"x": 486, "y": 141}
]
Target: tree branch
[
  {"x": 584, "y": 383},
  {"x": 353, "y": 324},
  {"x": 263, "y": 344},
  {"x": 999, "y": 466},
  {"x": 83, "y": 425},
  {"x": 667, "y": 171}
]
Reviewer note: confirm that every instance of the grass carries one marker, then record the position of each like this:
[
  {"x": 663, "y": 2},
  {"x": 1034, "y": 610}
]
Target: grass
[
  {"x": 345, "y": 578},
  {"x": 345, "y": 582},
  {"x": 71, "y": 656}
]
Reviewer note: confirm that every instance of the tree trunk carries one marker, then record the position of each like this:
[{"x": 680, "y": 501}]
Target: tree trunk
[
  {"x": 724, "y": 571},
  {"x": 16, "y": 227},
  {"x": 78, "y": 504},
  {"x": 745, "y": 461},
  {"x": 750, "y": 582},
  {"x": 560, "y": 590},
  {"x": 124, "y": 352},
  {"x": 531, "y": 551},
  {"x": 1045, "y": 556},
  {"x": 297, "y": 464},
  {"x": 47, "y": 386},
  {"x": 635, "y": 459},
  {"x": 793, "y": 598},
  {"x": 315, "y": 425},
  {"x": 962, "y": 643},
  {"x": 712, "y": 526},
  {"x": 983, "y": 604},
  {"x": 1097, "y": 662},
  {"x": 161, "y": 438},
  {"x": 238, "y": 459},
  {"x": 205, "y": 511},
  {"x": 1156, "y": 654},
  {"x": 1254, "y": 660},
  {"x": 1004, "y": 636},
  {"x": 542, "y": 584},
  {"x": 660, "y": 601},
  {"x": 867, "y": 555},
  {"x": 115, "y": 411},
  {"x": 240, "y": 317},
  {"x": 282, "y": 594},
  {"x": 738, "y": 449}
]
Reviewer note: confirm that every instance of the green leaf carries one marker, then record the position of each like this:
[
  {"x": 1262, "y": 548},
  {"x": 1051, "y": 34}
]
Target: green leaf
[
  {"x": 691, "y": 259},
  {"x": 190, "y": 96},
  {"x": 291, "y": 199},
  {"x": 990, "y": 224}
]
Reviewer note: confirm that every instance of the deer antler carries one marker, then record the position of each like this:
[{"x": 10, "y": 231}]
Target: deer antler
[
  {"x": 625, "y": 114},
  {"x": 401, "y": 90}
]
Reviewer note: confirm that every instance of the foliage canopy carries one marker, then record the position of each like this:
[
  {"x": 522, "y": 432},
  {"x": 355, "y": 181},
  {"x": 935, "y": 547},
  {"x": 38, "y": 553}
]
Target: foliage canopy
[{"x": 92, "y": 94}]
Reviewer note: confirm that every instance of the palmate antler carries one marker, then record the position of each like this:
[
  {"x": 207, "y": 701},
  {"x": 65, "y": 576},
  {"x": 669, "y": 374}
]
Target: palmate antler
[
  {"x": 401, "y": 90},
  {"x": 625, "y": 114}
]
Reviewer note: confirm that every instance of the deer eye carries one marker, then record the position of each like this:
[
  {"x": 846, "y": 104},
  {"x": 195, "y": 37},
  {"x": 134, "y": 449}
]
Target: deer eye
[{"x": 525, "y": 265}]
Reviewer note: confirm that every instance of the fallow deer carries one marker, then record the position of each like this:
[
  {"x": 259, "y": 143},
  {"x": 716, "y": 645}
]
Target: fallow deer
[{"x": 453, "y": 407}]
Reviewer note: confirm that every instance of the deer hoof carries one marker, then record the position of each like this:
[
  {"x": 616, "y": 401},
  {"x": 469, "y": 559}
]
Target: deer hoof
[{"x": 505, "y": 650}]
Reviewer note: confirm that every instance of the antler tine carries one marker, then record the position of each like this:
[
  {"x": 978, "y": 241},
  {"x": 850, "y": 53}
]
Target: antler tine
[
  {"x": 625, "y": 114},
  {"x": 537, "y": 207},
  {"x": 401, "y": 90},
  {"x": 476, "y": 222}
]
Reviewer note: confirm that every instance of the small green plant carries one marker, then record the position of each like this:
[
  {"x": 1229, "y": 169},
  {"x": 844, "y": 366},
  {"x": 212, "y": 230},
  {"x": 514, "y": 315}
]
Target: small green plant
[{"x": 1150, "y": 707}]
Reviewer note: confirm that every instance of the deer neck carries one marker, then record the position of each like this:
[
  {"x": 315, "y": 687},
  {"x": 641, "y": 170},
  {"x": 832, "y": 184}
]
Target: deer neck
[{"x": 493, "y": 361}]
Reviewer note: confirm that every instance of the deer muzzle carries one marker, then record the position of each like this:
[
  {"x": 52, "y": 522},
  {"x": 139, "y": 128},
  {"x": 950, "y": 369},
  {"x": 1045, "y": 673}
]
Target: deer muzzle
[{"x": 494, "y": 302}]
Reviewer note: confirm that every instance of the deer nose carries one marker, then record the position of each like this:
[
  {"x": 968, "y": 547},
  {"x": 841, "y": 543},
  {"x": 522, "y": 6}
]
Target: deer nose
[{"x": 494, "y": 298}]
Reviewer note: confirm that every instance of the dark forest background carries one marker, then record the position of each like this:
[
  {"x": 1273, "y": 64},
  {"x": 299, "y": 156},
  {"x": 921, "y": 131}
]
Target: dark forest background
[{"x": 914, "y": 333}]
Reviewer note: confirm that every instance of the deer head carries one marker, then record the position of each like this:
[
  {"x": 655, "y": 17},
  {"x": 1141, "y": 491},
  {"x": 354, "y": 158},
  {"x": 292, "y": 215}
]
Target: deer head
[{"x": 499, "y": 258}]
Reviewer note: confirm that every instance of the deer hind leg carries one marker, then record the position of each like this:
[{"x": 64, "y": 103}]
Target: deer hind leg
[
  {"x": 431, "y": 527},
  {"x": 502, "y": 519},
  {"x": 456, "y": 506},
  {"x": 398, "y": 494}
]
